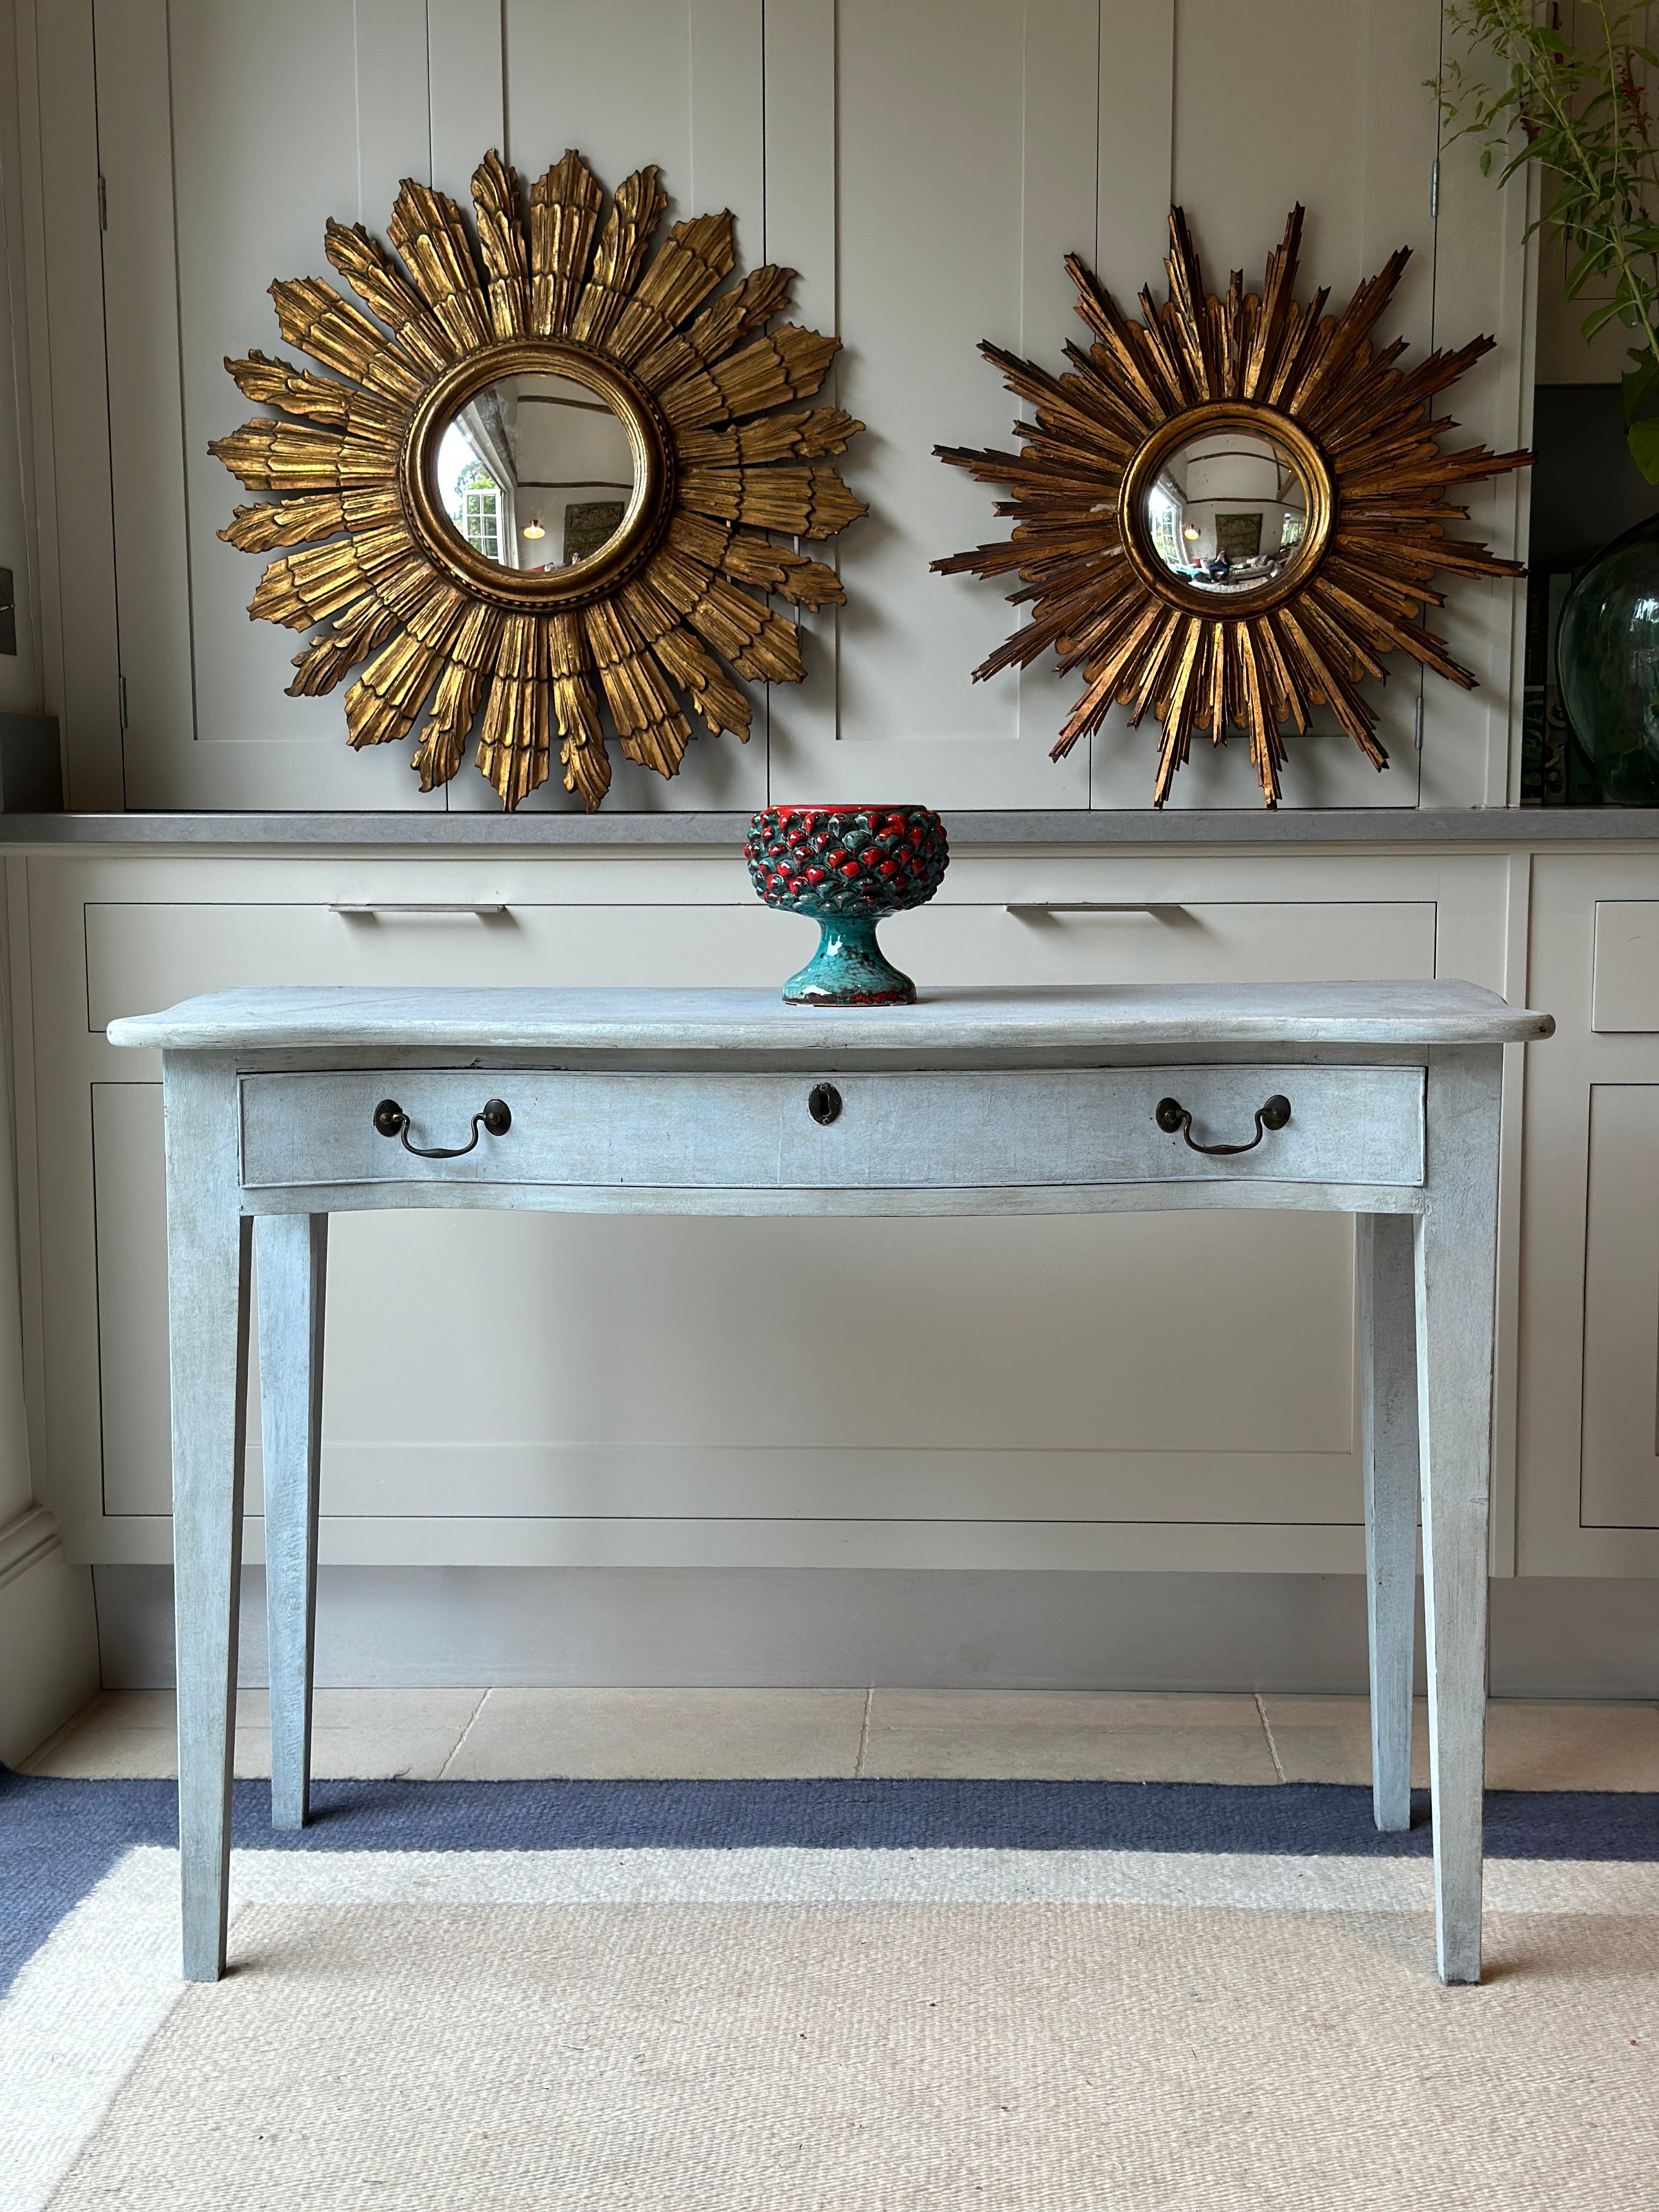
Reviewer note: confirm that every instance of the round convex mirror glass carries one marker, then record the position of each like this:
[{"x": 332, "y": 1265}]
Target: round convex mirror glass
[
  {"x": 535, "y": 473},
  {"x": 1227, "y": 511}
]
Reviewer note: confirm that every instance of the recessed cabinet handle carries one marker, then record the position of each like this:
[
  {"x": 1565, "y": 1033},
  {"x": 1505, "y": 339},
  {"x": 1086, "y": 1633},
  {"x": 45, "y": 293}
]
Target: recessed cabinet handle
[
  {"x": 1155, "y": 909},
  {"x": 1170, "y": 1115},
  {"x": 391, "y": 1120},
  {"x": 480, "y": 908}
]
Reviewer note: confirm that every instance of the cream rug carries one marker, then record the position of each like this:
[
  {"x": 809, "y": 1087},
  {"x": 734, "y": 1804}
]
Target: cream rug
[{"x": 898, "y": 2030}]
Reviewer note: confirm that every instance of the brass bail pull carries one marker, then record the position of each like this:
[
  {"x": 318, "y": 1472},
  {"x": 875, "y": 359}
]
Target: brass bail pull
[
  {"x": 391, "y": 1120},
  {"x": 1171, "y": 1115}
]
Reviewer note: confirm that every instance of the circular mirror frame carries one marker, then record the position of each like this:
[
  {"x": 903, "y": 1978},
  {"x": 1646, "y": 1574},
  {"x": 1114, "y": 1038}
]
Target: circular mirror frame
[
  {"x": 1264, "y": 659},
  {"x": 540, "y": 591},
  {"x": 1202, "y": 423}
]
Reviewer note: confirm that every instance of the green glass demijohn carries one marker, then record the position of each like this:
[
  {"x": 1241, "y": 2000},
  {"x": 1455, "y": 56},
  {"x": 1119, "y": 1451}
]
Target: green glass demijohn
[{"x": 1607, "y": 654}]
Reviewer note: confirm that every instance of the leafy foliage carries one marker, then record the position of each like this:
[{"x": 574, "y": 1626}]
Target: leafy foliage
[{"x": 1529, "y": 93}]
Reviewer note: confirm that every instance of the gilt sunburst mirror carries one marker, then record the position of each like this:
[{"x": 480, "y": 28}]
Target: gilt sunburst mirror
[
  {"x": 1231, "y": 510},
  {"x": 543, "y": 480}
]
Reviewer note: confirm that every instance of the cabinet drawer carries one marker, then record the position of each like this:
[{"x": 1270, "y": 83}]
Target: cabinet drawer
[
  {"x": 957, "y": 1130},
  {"x": 152, "y": 954}
]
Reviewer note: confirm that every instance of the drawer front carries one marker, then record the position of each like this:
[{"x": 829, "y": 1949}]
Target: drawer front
[{"x": 957, "y": 1130}]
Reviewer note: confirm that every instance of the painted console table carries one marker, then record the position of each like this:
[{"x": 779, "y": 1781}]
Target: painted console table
[{"x": 1378, "y": 1100}]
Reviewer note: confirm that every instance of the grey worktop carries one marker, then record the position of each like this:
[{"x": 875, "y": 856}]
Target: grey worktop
[{"x": 1516, "y": 827}]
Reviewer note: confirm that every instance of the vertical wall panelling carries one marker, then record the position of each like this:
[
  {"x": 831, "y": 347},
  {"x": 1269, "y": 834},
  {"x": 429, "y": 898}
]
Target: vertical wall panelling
[
  {"x": 676, "y": 83},
  {"x": 392, "y": 41},
  {"x": 1485, "y": 282},
  {"x": 1135, "y": 176},
  {"x": 466, "y": 98},
  {"x": 1059, "y": 213},
  {"x": 965, "y": 168},
  {"x": 73, "y": 462},
  {"x": 1517, "y": 339},
  {"x": 150, "y": 462},
  {"x": 266, "y": 107},
  {"x": 1134, "y": 163},
  {"x": 799, "y": 97},
  {"x": 20, "y": 672}
]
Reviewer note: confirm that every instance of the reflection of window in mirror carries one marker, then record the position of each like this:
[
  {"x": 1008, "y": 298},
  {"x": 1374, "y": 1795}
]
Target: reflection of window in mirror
[
  {"x": 559, "y": 460},
  {"x": 1163, "y": 521},
  {"x": 473, "y": 483},
  {"x": 481, "y": 511}
]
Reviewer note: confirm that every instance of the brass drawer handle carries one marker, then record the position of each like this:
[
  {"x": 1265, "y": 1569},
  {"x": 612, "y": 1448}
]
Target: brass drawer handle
[
  {"x": 391, "y": 1120},
  {"x": 1170, "y": 1115}
]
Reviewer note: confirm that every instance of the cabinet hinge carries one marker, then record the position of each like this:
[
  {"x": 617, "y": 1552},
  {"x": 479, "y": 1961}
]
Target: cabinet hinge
[
  {"x": 1434, "y": 189},
  {"x": 121, "y": 682},
  {"x": 103, "y": 205}
]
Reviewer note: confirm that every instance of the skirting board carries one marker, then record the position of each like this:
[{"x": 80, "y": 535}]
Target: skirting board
[
  {"x": 848, "y": 1627},
  {"x": 48, "y": 1635}
]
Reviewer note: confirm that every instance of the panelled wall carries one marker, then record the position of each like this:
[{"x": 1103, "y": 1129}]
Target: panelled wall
[{"x": 926, "y": 164}]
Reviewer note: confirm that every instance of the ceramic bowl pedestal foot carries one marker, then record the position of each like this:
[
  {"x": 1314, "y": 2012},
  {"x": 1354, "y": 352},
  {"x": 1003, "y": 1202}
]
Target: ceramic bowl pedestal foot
[{"x": 845, "y": 867}]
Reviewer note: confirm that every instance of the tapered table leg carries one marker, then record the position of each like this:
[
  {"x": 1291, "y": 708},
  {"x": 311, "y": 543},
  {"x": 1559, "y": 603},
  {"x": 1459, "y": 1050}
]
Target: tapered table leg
[
  {"x": 1456, "y": 1261},
  {"x": 291, "y": 1254},
  {"x": 1385, "y": 1297},
  {"x": 207, "y": 1254}
]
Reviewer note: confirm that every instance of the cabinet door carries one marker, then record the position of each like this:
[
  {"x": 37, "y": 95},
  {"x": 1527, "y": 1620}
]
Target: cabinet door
[
  {"x": 1587, "y": 1481},
  {"x": 1620, "y": 1470},
  {"x": 1166, "y": 1390}
]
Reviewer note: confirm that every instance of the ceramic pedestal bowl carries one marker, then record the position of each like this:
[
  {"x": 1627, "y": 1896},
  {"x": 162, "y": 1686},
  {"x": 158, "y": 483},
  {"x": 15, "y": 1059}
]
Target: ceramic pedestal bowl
[{"x": 846, "y": 866}]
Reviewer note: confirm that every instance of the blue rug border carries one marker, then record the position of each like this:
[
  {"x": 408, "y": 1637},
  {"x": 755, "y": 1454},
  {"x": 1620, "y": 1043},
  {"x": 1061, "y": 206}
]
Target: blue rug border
[{"x": 59, "y": 1838}]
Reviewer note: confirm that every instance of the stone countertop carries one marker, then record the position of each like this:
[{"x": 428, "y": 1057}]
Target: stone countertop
[{"x": 1516, "y": 828}]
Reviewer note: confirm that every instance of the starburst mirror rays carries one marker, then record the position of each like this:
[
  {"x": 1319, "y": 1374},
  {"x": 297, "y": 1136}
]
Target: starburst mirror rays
[
  {"x": 1230, "y": 511},
  {"x": 541, "y": 486}
]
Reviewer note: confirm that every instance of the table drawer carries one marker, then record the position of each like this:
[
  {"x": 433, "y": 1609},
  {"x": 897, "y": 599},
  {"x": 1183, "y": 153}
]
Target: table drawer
[{"x": 945, "y": 1130}]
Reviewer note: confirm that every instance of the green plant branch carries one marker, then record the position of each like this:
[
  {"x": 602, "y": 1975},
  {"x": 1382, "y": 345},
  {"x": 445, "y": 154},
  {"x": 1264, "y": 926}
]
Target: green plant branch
[{"x": 1582, "y": 114}]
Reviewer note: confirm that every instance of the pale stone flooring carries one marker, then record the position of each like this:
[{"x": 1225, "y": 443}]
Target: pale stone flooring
[{"x": 504, "y": 1734}]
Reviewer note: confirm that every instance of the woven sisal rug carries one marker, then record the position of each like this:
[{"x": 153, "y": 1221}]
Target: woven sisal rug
[{"x": 1010, "y": 1996}]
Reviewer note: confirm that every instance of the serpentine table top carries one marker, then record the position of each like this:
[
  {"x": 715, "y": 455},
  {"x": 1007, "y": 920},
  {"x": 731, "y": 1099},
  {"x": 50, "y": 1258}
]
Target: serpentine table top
[{"x": 1061, "y": 1020}]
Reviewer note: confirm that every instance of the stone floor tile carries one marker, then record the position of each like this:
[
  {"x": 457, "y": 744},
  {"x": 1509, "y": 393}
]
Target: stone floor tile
[
  {"x": 1574, "y": 1745},
  {"x": 695, "y": 1734},
  {"x": 93, "y": 1754},
  {"x": 1066, "y": 1736},
  {"x": 1329, "y": 1739}
]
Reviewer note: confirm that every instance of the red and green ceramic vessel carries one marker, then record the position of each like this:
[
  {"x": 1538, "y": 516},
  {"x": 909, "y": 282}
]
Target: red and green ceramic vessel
[{"x": 845, "y": 867}]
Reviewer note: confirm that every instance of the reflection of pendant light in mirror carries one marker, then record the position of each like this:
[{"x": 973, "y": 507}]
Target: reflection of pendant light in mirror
[{"x": 533, "y": 529}]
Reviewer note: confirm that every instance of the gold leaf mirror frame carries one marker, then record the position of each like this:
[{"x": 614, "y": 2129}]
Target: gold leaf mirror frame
[
  {"x": 1258, "y": 647},
  {"x": 642, "y": 627},
  {"x": 651, "y": 448}
]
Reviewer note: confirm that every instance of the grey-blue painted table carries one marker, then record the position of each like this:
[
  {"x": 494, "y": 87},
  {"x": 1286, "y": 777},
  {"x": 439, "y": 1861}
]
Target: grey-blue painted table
[{"x": 285, "y": 1106}]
